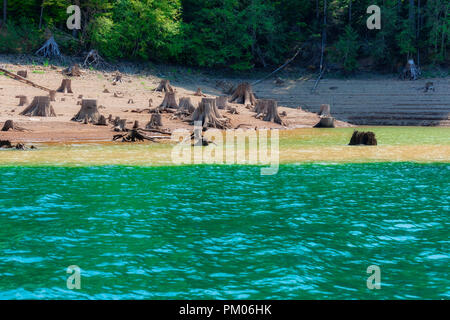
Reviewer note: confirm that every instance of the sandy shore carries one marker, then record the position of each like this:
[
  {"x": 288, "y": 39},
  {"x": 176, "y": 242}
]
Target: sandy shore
[{"x": 91, "y": 86}]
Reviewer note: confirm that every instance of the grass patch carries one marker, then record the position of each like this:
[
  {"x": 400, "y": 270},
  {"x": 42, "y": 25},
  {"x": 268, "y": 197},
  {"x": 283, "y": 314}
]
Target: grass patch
[{"x": 38, "y": 71}]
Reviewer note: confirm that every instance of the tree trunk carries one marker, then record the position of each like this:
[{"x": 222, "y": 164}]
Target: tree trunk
[
  {"x": 66, "y": 86},
  {"x": 350, "y": 12},
  {"x": 5, "y": 5},
  {"x": 272, "y": 112},
  {"x": 244, "y": 94},
  {"x": 208, "y": 114},
  {"x": 39, "y": 107},
  {"x": 155, "y": 121},
  {"x": 42, "y": 13},
  {"x": 169, "y": 101},
  {"x": 88, "y": 110}
]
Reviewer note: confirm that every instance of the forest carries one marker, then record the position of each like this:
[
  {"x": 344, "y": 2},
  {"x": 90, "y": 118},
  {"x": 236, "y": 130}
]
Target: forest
[{"x": 237, "y": 34}]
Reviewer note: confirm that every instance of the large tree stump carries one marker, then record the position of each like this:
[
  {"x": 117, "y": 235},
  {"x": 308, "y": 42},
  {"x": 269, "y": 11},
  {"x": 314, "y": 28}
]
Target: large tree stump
[
  {"x": 208, "y": 114},
  {"x": 261, "y": 108},
  {"x": 23, "y": 100},
  {"x": 66, "y": 86},
  {"x": 169, "y": 101},
  {"x": 186, "y": 105},
  {"x": 243, "y": 94},
  {"x": 272, "y": 112},
  {"x": 88, "y": 111},
  {"x": 366, "y": 138},
  {"x": 165, "y": 86},
  {"x": 325, "y": 122},
  {"x": 155, "y": 121},
  {"x": 39, "y": 107},
  {"x": 222, "y": 102},
  {"x": 22, "y": 73}
]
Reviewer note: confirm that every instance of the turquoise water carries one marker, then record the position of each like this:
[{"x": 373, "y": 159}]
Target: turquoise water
[{"x": 225, "y": 232}]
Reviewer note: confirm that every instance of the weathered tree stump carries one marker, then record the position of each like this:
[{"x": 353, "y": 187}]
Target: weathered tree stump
[
  {"x": 117, "y": 78},
  {"x": 186, "y": 105},
  {"x": 22, "y": 73},
  {"x": 261, "y": 108},
  {"x": 121, "y": 125},
  {"x": 9, "y": 125},
  {"x": 272, "y": 112},
  {"x": 155, "y": 121},
  {"x": 165, "y": 86},
  {"x": 5, "y": 144},
  {"x": 325, "y": 122},
  {"x": 52, "y": 95},
  {"x": 366, "y": 138},
  {"x": 233, "y": 110},
  {"x": 72, "y": 71},
  {"x": 222, "y": 102},
  {"x": 101, "y": 121},
  {"x": 66, "y": 86},
  {"x": 39, "y": 107},
  {"x": 243, "y": 94},
  {"x": 88, "y": 111},
  {"x": 169, "y": 101},
  {"x": 410, "y": 71},
  {"x": 208, "y": 114},
  {"x": 324, "y": 110},
  {"x": 23, "y": 100}
]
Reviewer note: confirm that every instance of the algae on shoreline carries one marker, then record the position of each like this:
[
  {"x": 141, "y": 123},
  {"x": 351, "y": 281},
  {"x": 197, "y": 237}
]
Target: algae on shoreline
[{"x": 397, "y": 144}]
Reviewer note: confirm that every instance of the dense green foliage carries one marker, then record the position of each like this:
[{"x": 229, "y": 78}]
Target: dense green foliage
[{"x": 239, "y": 34}]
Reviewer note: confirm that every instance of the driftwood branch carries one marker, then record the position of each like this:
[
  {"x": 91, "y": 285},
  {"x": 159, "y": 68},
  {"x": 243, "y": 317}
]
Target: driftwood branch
[{"x": 282, "y": 66}]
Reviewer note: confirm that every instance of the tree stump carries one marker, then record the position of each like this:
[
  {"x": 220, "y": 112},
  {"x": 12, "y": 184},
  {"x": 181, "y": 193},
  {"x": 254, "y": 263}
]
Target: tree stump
[
  {"x": 155, "y": 121},
  {"x": 88, "y": 111},
  {"x": 186, "y": 105},
  {"x": 272, "y": 112},
  {"x": 72, "y": 71},
  {"x": 366, "y": 138},
  {"x": 169, "y": 101},
  {"x": 52, "y": 95},
  {"x": 243, "y": 94},
  {"x": 66, "y": 86},
  {"x": 165, "y": 86},
  {"x": 101, "y": 121},
  {"x": 9, "y": 125},
  {"x": 261, "y": 107},
  {"x": 23, "y": 100},
  {"x": 410, "y": 71},
  {"x": 199, "y": 93},
  {"x": 22, "y": 73},
  {"x": 324, "y": 110},
  {"x": 325, "y": 122},
  {"x": 39, "y": 107},
  {"x": 121, "y": 125},
  {"x": 222, "y": 102},
  {"x": 5, "y": 144},
  {"x": 208, "y": 114}
]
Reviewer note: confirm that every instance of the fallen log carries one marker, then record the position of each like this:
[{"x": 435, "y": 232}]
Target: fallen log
[{"x": 22, "y": 79}]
